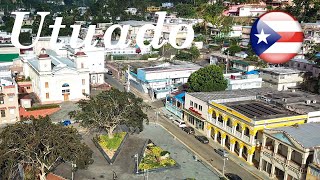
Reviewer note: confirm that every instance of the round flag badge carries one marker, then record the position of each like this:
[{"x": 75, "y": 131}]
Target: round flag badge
[{"x": 276, "y": 37}]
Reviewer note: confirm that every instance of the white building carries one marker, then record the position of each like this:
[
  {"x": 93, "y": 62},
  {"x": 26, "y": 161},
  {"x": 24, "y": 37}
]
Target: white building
[
  {"x": 56, "y": 78},
  {"x": 238, "y": 81},
  {"x": 95, "y": 56},
  {"x": 246, "y": 11},
  {"x": 132, "y": 11},
  {"x": 282, "y": 78},
  {"x": 161, "y": 80},
  {"x": 167, "y": 5}
]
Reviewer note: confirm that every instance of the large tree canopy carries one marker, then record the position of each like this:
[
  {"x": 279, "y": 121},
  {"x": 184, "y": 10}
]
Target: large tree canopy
[
  {"x": 38, "y": 146},
  {"x": 207, "y": 79},
  {"x": 109, "y": 109}
]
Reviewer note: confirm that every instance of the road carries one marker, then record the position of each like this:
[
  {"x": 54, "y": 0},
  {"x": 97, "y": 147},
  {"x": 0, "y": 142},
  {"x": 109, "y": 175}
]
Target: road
[
  {"x": 113, "y": 82},
  {"x": 205, "y": 151}
]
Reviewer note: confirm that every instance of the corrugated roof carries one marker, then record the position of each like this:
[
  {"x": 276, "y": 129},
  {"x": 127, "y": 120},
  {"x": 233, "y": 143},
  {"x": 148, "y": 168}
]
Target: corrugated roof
[{"x": 306, "y": 134}]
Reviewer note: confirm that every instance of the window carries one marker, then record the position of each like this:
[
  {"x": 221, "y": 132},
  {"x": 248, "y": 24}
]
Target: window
[
  {"x": 47, "y": 95},
  {"x": 191, "y": 103},
  {"x": 82, "y": 66},
  {"x": 28, "y": 87},
  {"x": 46, "y": 84},
  {"x": 83, "y": 81},
  {"x": 65, "y": 85},
  {"x": 3, "y": 113},
  {"x": 10, "y": 98},
  {"x": 200, "y": 107},
  {"x": 196, "y": 105},
  {"x": 1, "y": 100},
  {"x": 83, "y": 91},
  {"x": 11, "y": 111}
]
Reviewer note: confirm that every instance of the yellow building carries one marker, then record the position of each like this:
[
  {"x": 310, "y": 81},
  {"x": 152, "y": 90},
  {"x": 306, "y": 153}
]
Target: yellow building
[
  {"x": 237, "y": 118},
  {"x": 153, "y": 9}
]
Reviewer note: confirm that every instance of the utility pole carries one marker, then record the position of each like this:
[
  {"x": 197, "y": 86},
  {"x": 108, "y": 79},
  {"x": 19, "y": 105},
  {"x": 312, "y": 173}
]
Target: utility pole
[
  {"x": 224, "y": 164},
  {"x": 128, "y": 79},
  {"x": 227, "y": 62},
  {"x": 157, "y": 115},
  {"x": 72, "y": 171}
]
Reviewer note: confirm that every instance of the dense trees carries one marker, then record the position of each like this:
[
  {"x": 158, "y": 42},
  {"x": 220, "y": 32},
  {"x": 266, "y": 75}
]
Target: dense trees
[
  {"x": 109, "y": 109},
  {"x": 38, "y": 146},
  {"x": 188, "y": 54},
  {"x": 207, "y": 79}
]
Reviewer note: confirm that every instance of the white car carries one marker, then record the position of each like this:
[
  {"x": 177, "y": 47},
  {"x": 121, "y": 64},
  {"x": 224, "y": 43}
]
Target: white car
[{"x": 179, "y": 123}]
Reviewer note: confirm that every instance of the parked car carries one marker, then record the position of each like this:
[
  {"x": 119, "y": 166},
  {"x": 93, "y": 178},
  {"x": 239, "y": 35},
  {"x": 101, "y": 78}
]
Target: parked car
[
  {"x": 180, "y": 123},
  {"x": 222, "y": 152},
  {"x": 231, "y": 176},
  {"x": 66, "y": 122},
  {"x": 189, "y": 130},
  {"x": 109, "y": 72},
  {"x": 202, "y": 139}
]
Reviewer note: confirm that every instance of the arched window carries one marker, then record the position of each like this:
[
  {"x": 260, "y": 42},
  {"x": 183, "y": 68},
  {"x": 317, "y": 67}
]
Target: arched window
[{"x": 65, "y": 85}]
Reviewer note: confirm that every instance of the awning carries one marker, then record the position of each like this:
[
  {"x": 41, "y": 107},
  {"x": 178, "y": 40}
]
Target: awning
[{"x": 180, "y": 97}]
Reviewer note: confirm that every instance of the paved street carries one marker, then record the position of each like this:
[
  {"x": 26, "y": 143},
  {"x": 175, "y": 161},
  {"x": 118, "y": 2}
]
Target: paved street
[
  {"x": 206, "y": 152},
  {"x": 124, "y": 165},
  {"x": 113, "y": 82}
]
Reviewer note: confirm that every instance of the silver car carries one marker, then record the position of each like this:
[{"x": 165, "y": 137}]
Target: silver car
[{"x": 222, "y": 152}]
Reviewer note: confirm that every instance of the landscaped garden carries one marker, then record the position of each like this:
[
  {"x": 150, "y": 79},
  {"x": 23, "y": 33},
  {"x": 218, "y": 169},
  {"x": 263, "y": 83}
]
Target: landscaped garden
[
  {"x": 155, "y": 158},
  {"x": 111, "y": 145}
]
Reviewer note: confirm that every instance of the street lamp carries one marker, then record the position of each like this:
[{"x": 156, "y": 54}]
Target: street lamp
[
  {"x": 137, "y": 161},
  {"x": 224, "y": 164}
]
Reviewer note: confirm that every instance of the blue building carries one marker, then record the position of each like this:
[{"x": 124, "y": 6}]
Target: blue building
[{"x": 175, "y": 103}]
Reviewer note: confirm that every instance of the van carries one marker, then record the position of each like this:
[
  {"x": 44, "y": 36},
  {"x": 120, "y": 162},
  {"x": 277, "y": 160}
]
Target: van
[{"x": 180, "y": 123}]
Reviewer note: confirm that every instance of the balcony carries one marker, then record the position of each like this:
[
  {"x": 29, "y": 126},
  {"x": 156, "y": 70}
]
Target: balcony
[
  {"x": 220, "y": 124},
  {"x": 238, "y": 134},
  {"x": 246, "y": 138},
  {"x": 229, "y": 129}
]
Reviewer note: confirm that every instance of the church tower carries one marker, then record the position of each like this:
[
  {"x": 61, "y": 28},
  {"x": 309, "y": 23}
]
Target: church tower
[{"x": 44, "y": 61}]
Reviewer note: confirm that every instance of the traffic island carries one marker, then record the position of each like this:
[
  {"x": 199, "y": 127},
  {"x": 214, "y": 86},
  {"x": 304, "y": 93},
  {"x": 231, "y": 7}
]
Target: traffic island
[
  {"x": 155, "y": 159},
  {"x": 110, "y": 147}
]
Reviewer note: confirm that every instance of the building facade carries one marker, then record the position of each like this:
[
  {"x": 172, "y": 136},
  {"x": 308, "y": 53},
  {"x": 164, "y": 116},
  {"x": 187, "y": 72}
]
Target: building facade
[
  {"x": 238, "y": 81},
  {"x": 236, "y": 119},
  {"x": 286, "y": 152},
  {"x": 281, "y": 78},
  {"x": 9, "y": 107},
  {"x": 56, "y": 79}
]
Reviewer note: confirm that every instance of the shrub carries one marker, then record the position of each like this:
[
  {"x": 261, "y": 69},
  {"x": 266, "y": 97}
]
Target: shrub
[
  {"x": 156, "y": 151},
  {"x": 47, "y": 106},
  {"x": 113, "y": 143}
]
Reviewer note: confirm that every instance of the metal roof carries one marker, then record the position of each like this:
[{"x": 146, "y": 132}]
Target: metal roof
[{"x": 306, "y": 134}]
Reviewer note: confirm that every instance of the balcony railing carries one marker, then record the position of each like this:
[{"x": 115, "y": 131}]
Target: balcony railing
[
  {"x": 238, "y": 134},
  {"x": 246, "y": 138},
  {"x": 229, "y": 129},
  {"x": 219, "y": 124}
]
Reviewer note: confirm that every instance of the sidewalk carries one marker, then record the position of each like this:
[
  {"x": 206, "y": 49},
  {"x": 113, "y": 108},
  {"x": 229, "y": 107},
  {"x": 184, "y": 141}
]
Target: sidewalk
[{"x": 241, "y": 162}]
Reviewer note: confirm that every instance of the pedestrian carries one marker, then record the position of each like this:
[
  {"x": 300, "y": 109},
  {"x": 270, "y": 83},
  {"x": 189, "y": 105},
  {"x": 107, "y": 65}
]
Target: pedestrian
[{"x": 115, "y": 175}]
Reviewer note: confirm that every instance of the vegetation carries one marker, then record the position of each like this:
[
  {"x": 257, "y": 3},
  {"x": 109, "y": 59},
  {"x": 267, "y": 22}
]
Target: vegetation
[
  {"x": 207, "y": 79},
  {"x": 111, "y": 145},
  {"x": 189, "y": 54},
  {"x": 39, "y": 146},
  {"x": 233, "y": 49},
  {"x": 46, "y": 106},
  {"x": 109, "y": 109},
  {"x": 155, "y": 157}
]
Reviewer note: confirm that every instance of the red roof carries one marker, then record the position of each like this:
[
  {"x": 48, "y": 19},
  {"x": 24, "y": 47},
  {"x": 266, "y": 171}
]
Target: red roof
[
  {"x": 43, "y": 56},
  {"x": 80, "y": 53}
]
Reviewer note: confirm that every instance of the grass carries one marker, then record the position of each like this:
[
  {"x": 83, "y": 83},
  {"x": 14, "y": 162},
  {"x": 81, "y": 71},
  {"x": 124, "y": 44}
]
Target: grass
[
  {"x": 111, "y": 143},
  {"x": 155, "y": 158}
]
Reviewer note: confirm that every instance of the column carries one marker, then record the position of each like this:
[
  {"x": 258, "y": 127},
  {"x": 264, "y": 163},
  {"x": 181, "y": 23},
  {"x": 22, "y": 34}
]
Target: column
[
  {"x": 215, "y": 135},
  {"x": 223, "y": 139},
  {"x": 252, "y": 136},
  {"x": 260, "y": 163},
  {"x": 250, "y": 155},
  {"x": 242, "y": 131},
  {"x": 264, "y": 140},
  {"x": 276, "y": 146},
  {"x": 232, "y": 144},
  {"x": 225, "y": 119},
  {"x": 241, "y": 149},
  {"x": 285, "y": 175},
  {"x": 209, "y": 130},
  {"x": 273, "y": 169},
  {"x": 234, "y": 126},
  {"x": 289, "y": 153},
  {"x": 304, "y": 159}
]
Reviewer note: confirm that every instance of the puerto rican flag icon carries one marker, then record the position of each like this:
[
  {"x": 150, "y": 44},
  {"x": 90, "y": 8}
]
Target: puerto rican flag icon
[{"x": 276, "y": 37}]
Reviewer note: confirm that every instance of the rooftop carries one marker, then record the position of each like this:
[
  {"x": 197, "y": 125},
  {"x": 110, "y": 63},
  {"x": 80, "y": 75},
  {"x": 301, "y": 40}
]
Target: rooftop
[
  {"x": 305, "y": 134},
  {"x": 135, "y": 23},
  {"x": 179, "y": 67},
  {"x": 219, "y": 96},
  {"x": 281, "y": 70}
]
